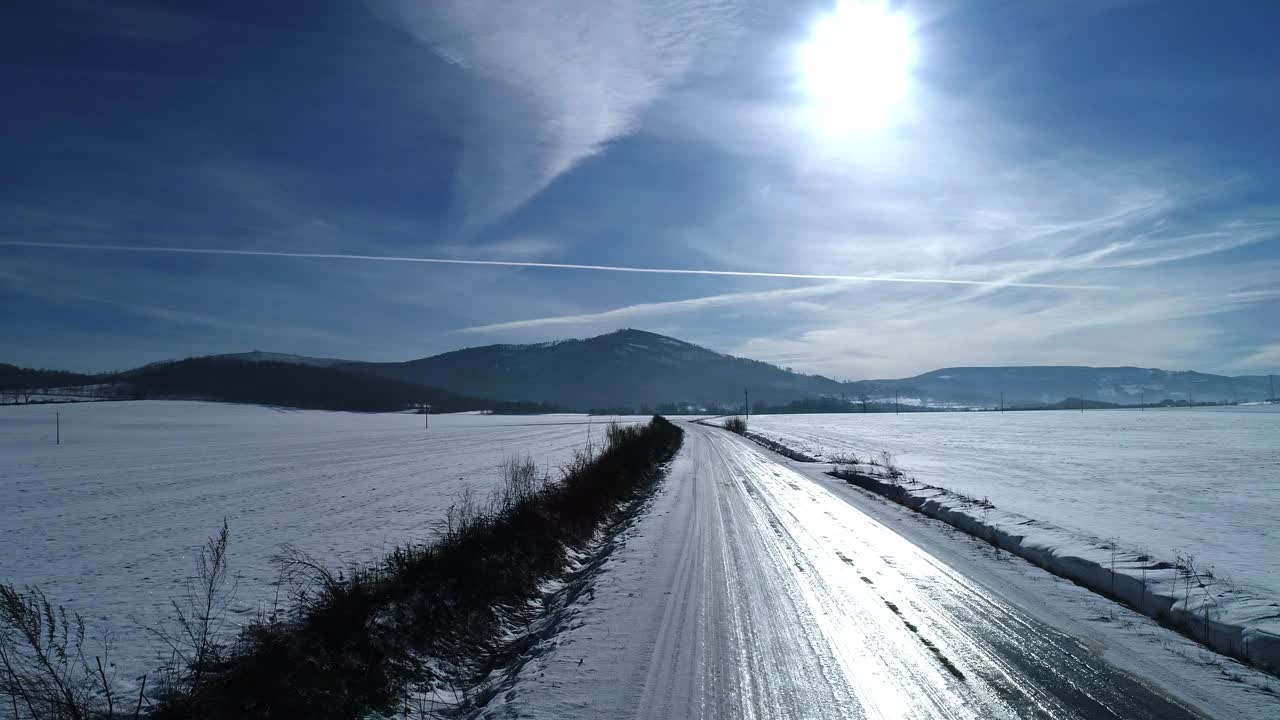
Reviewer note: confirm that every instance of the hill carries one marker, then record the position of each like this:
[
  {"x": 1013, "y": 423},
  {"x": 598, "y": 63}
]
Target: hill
[
  {"x": 13, "y": 377},
  {"x": 633, "y": 369},
  {"x": 1047, "y": 385},
  {"x": 298, "y": 386},
  {"x": 627, "y": 368}
]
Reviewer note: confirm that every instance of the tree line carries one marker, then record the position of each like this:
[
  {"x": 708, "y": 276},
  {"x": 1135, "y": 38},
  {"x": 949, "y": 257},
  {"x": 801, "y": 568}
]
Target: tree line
[
  {"x": 300, "y": 386},
  {"x": 264, "y": 383}
]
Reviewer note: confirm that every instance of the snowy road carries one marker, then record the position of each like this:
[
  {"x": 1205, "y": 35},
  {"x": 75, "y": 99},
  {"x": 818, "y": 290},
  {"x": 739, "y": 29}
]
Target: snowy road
[{"x": 754, "y": 592}]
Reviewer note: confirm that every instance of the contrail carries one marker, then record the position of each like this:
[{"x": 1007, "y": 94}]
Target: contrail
[{"x": 544, "y": 265}]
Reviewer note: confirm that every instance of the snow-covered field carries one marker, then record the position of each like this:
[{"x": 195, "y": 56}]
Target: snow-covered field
[
  {"x": 107, "y": 522},
  {"x": 1203, "y": 481}
]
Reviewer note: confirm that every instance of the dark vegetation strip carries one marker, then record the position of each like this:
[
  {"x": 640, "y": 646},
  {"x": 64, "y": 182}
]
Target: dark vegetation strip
[
  {"x": 264, "y": 382},
  {"x": 428, "y": 615},
  {"x": 298, "y": 386},
  {"x": 16, "y": 378}
]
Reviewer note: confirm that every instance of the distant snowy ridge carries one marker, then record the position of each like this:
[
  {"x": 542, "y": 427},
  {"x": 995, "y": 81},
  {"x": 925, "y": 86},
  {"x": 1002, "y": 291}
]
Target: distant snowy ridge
[{"x": 263, "y": 356}]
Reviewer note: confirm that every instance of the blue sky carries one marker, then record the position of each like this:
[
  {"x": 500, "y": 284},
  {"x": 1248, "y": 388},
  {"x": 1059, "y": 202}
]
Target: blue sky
[{"x": 1099, "y": 177}]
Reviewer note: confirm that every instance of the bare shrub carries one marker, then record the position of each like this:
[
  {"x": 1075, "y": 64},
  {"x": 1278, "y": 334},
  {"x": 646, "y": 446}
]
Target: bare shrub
[
  {"x": 44, "y": 669},
  {"x": 736, "y": 424},
  {"x": 890, "y": 467},
  {"x": 1184, "y": 566},
  {"x": 614, "y": 432},
  {"x": 1114, "y": 546},
  {"x": 846, "y": 459},
  {"x": 47, "y": 673},
  {"x": 195, "y": 638},
  {"x": 578, "y": 462},
  {"x": 967, "y": 499},
  {"x": 520, "y": 481},
  {"x": 1144, "y": 558}
]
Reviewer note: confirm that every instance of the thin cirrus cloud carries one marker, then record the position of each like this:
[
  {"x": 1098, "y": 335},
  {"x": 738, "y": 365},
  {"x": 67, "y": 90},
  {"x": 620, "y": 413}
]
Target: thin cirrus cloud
[
  {"x": 1267, "y": 356},
  {"x": 540, "y": 265},
  {"x": 664, "y": 309},
  {"x": 551, "y": 83},
  {"x": 959, "y": 198},
  {"x": 904, "y": 335}
]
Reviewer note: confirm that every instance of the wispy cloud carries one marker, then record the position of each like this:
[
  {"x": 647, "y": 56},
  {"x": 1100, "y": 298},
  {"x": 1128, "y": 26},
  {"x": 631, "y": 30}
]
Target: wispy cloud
[
  {"x": 540, "y": 265},
  {"x": 1266, "y": 357},
  {"x": 556, "y": 81},
  {"x": 869, "y": 336},
  {"x": 520, "y": 247},
  {"x": 958, "y": 188},
  {"x": 663, "y": 309}
]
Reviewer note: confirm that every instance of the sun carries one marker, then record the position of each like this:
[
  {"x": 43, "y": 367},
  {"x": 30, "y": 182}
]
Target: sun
[{"x": 856, "y": 65}]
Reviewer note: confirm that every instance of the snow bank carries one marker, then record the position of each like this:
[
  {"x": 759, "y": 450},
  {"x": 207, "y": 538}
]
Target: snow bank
[{"x": 1179, "y": 593}]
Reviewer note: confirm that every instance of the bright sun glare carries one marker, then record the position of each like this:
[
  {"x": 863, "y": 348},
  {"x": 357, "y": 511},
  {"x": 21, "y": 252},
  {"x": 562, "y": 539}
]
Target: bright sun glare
[{"x": 856, "y": 66}]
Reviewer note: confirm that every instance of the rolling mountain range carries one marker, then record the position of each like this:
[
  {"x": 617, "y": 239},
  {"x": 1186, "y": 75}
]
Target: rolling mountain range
[
  {"x": 1047, "y": 385},
  {"x": 634, "y": 369}
]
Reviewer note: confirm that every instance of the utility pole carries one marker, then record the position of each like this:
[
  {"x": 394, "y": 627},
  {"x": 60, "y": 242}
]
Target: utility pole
[
  {"x": 1004, "y": 381},
  {"x": 426, "y": 417},
  {"x": 58, "y": 421},
  {"x": 746, "y": 403}
]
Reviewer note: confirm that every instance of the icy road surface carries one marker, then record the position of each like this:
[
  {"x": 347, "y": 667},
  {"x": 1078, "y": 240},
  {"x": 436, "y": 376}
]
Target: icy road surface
[
  {"x": 755, "y": 592},
  {"x": 1203, "y": 481}
]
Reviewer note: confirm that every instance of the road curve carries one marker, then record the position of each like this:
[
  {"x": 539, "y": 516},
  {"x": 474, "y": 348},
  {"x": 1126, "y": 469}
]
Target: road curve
[{"x": 769, "y": 597}]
